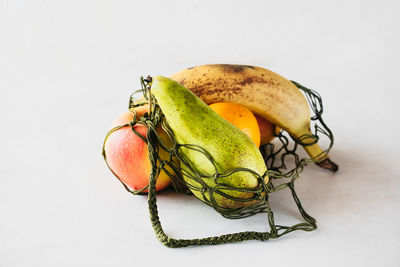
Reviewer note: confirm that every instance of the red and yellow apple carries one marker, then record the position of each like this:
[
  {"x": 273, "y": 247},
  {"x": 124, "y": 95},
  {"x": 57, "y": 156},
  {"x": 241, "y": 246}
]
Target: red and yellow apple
[{"x": 127, "y": 154}]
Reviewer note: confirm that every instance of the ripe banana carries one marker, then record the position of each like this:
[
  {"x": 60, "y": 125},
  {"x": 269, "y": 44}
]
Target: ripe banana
[{"x": 262, "y": 91}]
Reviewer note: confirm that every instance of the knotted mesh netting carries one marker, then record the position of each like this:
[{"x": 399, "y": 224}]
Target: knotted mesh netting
[{"x": 282, "y": 158}]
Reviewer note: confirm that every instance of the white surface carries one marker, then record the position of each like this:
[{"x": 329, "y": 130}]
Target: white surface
[{"x": 67, "y": 69}]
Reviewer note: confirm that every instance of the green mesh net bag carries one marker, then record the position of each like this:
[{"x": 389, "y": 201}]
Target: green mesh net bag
[{"x": 278, "y": 156}]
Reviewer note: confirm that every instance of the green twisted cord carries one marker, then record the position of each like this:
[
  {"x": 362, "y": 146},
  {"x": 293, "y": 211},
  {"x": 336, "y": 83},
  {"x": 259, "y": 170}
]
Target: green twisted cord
[{"x": 271, "y": 155}]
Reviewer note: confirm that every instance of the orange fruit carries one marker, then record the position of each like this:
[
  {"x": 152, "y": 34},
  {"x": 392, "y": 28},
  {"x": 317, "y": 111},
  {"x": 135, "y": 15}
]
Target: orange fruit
[{"x": 241, "y": 117}]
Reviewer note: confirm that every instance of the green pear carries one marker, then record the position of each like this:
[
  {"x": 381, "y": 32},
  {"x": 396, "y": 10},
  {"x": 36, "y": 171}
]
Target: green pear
[{"x": 194, "y": 122}]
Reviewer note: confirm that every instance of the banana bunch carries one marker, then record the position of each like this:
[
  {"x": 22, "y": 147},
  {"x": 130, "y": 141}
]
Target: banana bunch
[{"x": 264, "y": 92}]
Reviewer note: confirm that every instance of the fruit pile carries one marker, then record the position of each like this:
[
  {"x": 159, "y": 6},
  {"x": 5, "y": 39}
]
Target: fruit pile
[{"x": 208, "y": 130}]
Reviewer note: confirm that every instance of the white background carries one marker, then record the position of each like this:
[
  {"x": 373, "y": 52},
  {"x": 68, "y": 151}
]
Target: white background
[{"x": 67, "y": 69}]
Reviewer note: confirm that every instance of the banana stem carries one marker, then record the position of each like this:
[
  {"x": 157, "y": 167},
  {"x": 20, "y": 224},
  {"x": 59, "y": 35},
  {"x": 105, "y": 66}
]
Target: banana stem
[
  {"x": 328, "y": 164},
  {"x": 319, "y": 156}
]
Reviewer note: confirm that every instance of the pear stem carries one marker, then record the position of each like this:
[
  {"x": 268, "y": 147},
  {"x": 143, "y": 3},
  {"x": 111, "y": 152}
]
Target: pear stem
[
  {"x": 149, "y": 100},
  {"x": 149, "y": 80}
]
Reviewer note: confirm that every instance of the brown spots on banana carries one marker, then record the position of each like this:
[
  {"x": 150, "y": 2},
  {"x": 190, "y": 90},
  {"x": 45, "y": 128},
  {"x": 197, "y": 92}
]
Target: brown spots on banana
[
  {"x": 234, "y": 68},
  {"x": 257, "y": 79},
  {"x": 182, "y": 81},
  {"x": 226, "y": 89}
]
